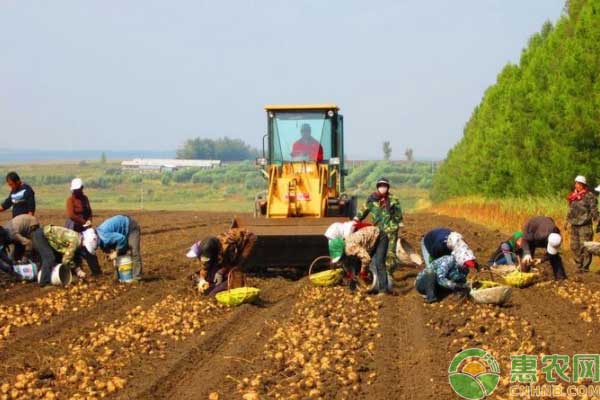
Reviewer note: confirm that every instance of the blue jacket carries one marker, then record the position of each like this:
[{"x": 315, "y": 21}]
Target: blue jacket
[
  {"x": 448, "y": 272},
  {"x": 113, "y": 233},
  {"x": 435, "y": 242}
]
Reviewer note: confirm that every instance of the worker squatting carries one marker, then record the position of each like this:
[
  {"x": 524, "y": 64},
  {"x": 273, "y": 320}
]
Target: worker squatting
[{"x": 367, "y": 251}]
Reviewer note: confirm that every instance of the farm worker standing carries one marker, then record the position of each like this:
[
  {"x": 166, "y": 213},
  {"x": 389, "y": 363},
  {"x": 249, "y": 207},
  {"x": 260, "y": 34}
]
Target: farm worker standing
[
  {"x": 441, "y": 276},
  {"x": 367, "y": 246},
  {"x": 307, "y": 147},
  {"x": 79, "y": 211},
  {"x": 56, "y": 244},
  {"x": 20, "y": 229},
  {"x": 543, "y": 232},
  {"x": 119, "y": 234},
  {"x": 218, "y": 255},
  {"x": 21, "y": 197},
  {"x": 386, "y": 213},
  {"x": 441, "y": 242},
  {"x": 507, "y": 249},
  {"x": 583, "y": 210}
]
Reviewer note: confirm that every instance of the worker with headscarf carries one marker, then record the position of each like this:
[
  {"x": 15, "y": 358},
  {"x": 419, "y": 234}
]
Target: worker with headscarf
[{"x": 218, "y": 255}]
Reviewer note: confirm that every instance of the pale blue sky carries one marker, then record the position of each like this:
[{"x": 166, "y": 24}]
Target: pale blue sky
[{"x": 148, "y": 74}]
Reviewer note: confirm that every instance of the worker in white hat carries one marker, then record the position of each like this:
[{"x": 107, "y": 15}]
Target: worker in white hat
[
  {"x": 543, "y": 232},
  {"x": 583, "y": 211},
  {"x": 79, "y": 210}
]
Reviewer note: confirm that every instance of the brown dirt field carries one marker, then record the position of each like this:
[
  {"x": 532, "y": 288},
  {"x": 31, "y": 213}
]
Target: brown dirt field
[{"x": 160, "y": 340}]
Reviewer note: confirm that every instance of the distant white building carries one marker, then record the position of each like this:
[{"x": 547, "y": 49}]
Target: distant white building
[{"x": 160, "y": 164}]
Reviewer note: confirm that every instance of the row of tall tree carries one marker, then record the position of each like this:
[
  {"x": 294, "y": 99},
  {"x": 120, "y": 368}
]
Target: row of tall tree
[
  {"x": 224, "y": 149},
  {"x": 539, "y": 125}
]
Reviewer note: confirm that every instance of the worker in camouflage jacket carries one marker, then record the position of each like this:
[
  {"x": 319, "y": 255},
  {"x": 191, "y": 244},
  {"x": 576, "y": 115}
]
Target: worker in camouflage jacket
[
  {"x": 55, "y": 244},
  {"x": 583, "y": 210},
  {"x": 386, "y": 213}
]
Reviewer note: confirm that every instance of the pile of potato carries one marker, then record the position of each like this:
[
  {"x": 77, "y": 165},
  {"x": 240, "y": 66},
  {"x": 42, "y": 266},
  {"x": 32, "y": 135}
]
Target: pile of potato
[
  {"x": 88, "y": 369},
  {"x": 488, "y": 328},
  {"x": 41, "y": 309},
  {"x": 326, "y": 342},
  {"x": 581, "y": 296}
]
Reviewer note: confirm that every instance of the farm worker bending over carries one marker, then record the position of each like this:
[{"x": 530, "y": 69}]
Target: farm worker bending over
[
  {"x": 386, "y": 213},
  {"x": 441, "y": 276},
  {"x": 343, "y": 230},
  {"x": 56, "y": 244},
  {"x": 441, "y": 242},
  {"x": 219, "y": 255},
  {"x": 19, "y": 231},
  {"x": 6, "y": 264},
  {"x": 79, "y": 211},
  {"x": 583, "y": 210},
  {"x": 21, "y": 197},
  {"x": 307, "y": 147},
  {"x": 367, "y": 247},
  {"x": 118, "y": 235},
  {"x": 543, "y": 232},
  {"x": 507, "y": 249}
]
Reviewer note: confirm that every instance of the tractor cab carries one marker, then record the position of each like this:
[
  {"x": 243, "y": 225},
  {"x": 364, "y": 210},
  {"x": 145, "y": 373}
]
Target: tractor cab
[{"x": 303, "y": 161}]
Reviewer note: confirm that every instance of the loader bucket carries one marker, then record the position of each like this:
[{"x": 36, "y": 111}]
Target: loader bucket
[{"x": 286, "y": 242}]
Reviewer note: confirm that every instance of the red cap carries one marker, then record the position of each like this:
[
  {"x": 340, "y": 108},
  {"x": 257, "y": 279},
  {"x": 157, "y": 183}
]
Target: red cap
[{"x": 470, "y": 264}]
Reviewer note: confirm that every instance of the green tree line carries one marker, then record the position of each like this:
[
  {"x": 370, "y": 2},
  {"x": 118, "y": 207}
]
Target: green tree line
[
  {"x": 539, "y": 125},
  {"x": 224, "y": 149}
]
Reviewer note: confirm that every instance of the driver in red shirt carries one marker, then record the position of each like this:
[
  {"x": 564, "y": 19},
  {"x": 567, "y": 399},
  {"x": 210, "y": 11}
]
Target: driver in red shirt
[{"x": 307, "y": 146}]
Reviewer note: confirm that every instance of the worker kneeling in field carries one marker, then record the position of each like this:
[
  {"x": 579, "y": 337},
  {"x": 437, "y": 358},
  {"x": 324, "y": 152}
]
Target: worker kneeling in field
[
  {"x": 367, "y": 247},
  {"x": 55, "y": 244},
  {"x": 448, "y": 260},
  {"x": 441, "y": 277},
  {"x": 118, "y": 235},
  {"x": 218, "y": 255},
  {"x": 543, "y": 232},
  {"x": 507, "y": 249}
]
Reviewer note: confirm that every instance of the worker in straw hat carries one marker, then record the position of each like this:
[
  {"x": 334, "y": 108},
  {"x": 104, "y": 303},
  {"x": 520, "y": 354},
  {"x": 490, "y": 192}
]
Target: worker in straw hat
[
  {"x": 583, "y": 210},
  {"x": 218, "y": 255},
  {"x": 542, "y": 232},
  {"x": 79, "y": 210}
]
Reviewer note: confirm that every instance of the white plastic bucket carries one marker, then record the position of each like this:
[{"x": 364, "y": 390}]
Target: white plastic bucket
[
  {"x": 61, "y": 275},
  {"x": 28, "y": 272},
  {"x": 124, "y": 266}
]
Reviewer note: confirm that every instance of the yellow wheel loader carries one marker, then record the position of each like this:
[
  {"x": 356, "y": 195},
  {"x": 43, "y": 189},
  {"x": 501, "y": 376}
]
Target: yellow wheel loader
[{"x": 303, "y": 163}]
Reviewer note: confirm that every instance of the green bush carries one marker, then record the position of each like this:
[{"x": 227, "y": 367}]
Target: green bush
[
  {"x": 166, "y": 178},
  {"x": 202, "y": 177},
  {"x": 136, "y": 178},
  {"x": 184, "y": 175}
]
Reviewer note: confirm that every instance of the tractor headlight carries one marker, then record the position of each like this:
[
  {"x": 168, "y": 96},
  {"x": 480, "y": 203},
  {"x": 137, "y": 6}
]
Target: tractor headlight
[
  {"x": 271, "y": 115},
  {"x": 330, "y": 113},
  {"x": 334, "y": 161}
]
